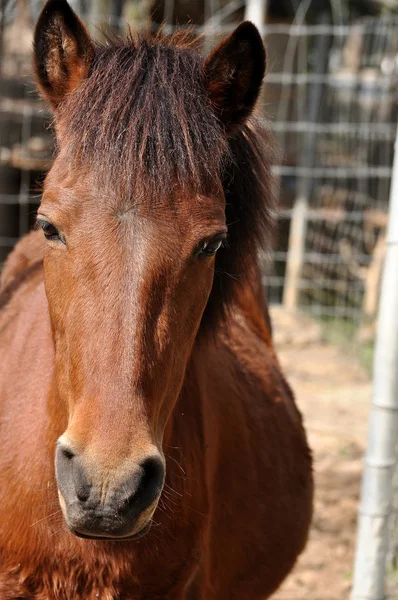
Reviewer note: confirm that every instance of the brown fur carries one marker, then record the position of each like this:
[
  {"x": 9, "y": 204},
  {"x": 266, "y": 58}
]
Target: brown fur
[{"x": 125, "y": 341}]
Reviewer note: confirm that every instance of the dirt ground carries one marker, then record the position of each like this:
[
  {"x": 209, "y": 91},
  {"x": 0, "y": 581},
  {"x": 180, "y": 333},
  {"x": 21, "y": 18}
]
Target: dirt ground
[{"x": 333, "y": 392}]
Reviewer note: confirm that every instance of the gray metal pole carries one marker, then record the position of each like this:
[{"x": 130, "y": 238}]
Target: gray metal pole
[
  {"x": 256, "y": 12},
  {"x": 376, "y": 494}
]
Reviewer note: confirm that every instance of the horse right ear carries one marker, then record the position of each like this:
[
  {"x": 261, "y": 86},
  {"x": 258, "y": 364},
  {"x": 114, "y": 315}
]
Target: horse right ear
[
  {"x": 63, "y": 51},
  {"x": 233, "y": 73}
]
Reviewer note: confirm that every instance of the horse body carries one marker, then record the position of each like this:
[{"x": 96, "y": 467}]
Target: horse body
[
  {"x": 232, "y": 503},
  {"x": 129, "y": 351}
]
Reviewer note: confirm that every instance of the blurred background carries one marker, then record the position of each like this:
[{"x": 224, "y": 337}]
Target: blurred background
[{"x": 331, "y": 101}]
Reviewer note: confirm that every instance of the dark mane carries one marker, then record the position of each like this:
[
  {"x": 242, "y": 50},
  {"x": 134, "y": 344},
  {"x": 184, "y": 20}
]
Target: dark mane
[
  {"x": 144, "y": 106},
  {"x": 250, "y": 211}
]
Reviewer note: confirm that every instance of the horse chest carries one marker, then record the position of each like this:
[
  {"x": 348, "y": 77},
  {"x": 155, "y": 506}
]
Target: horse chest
[
  {"x": 73, "y": 569},
  {"x": 121, "y": 578}
]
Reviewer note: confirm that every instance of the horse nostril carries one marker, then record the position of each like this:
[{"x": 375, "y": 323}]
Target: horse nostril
[
  {"x": 82, "y": 484},
  {"x": 143, "y": 488},
  {"x": 153, "y": 474},
  {"x": 83, "y": 492},
  {"x": 151, "y": 482},
  {"x": 67, "y": 452},
  {"x": 71, "y": 475}
]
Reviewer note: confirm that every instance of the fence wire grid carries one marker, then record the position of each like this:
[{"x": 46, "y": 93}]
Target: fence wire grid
[{"x": 330, "y": 99}]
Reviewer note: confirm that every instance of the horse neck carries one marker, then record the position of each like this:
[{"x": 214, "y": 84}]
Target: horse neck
[{"x": 250, "y": 305}]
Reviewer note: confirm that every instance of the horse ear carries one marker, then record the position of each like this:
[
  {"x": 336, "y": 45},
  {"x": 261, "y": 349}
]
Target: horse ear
[
  {"x": 63, "y": 51},
  {"x": 233, "y": 74}
]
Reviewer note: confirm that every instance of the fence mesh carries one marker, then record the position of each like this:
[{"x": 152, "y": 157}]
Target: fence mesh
[
  {"x": 333, "y": 110},
  {"x": 331, "y": 102}
]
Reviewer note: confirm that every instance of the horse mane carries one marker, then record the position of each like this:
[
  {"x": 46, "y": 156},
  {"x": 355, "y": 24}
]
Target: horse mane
[
  {"x": 142, "y": 118},
  {"x": 249, "y": 190}
]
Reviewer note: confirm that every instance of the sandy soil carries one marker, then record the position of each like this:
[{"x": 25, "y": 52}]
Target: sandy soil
[{"x": 333, "y": 392}]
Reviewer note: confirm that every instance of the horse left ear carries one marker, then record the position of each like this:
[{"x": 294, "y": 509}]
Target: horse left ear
[
  {"x": 233, "y": 75},
  {"x": 63, "y": 51}
]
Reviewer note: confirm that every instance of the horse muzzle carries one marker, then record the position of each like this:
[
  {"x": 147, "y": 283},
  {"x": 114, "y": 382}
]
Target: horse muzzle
[{"x": 102, "y": 510}]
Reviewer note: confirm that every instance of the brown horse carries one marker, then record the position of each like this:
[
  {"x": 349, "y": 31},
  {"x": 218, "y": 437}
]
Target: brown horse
[{"x": 135, "y": 343}]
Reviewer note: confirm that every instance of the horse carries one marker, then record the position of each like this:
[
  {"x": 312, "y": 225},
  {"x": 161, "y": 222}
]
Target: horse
[{"x": 151, "y": 446}]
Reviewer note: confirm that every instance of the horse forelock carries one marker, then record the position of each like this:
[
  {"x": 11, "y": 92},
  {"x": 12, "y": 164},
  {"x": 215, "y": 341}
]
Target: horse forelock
[{"x": 142, "y": 120}]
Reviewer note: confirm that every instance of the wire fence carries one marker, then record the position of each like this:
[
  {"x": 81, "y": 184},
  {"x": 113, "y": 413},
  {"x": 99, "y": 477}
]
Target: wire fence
[
  {"x": 333, "y": 110},
  {"x": 331, "y": 101}
]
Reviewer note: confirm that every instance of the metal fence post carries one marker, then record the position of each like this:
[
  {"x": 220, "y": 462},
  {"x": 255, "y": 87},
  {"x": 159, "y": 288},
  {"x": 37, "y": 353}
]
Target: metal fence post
[
  {"x": 376, "y": 494},
  {"x": 298, "y": 225}
]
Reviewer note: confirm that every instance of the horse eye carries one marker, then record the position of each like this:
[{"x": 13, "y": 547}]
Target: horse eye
[
  {"x": 50, "y": 232},
  {"x": 210, "y": 247}
]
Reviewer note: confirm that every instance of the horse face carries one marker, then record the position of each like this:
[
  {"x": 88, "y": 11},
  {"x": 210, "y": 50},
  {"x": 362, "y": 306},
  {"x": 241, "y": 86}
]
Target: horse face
[
  {"x": 129, "y": 262},
  {"x": 126, "y": 293}
]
